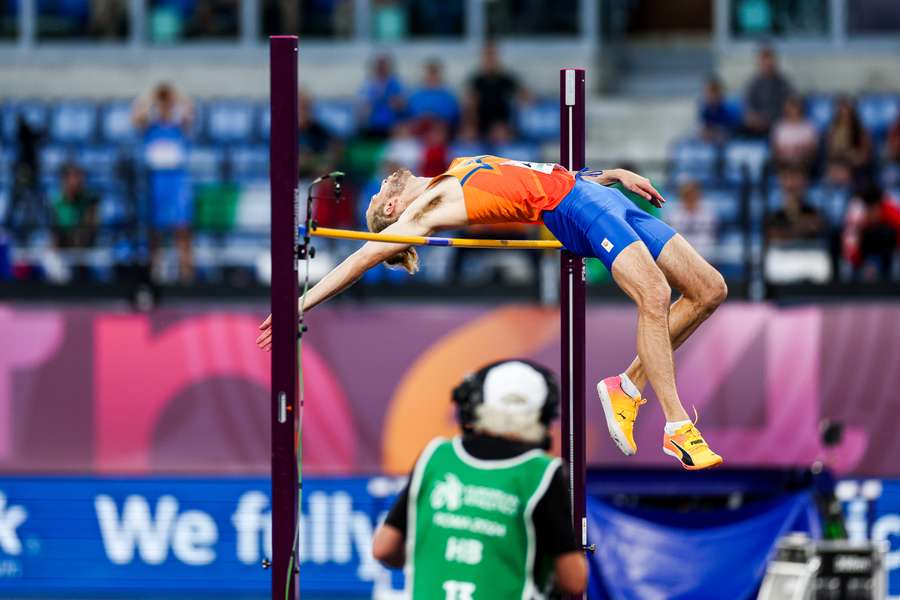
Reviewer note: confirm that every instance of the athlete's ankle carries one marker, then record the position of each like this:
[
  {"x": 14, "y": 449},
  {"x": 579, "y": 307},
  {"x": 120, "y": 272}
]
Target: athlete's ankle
[{"x": 628, "y": 386}]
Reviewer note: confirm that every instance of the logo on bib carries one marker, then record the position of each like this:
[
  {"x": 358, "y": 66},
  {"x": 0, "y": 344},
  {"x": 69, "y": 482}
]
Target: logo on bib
[
  {"x": 447, "y": 493},
  {"x": 452, "y": 494},
  {"x": 607, "y": 245}
]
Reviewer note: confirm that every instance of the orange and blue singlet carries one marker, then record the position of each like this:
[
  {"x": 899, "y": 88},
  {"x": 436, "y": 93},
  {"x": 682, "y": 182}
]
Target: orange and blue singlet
[{"x": 587, "y": 218}]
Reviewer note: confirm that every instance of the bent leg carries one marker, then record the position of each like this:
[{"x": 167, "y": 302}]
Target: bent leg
[
  {"x": 638, "y": 275},
  {"x": 702, "y": 287}
]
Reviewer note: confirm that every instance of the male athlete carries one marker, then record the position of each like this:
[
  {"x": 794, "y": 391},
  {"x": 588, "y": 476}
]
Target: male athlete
[
  {"x": 644, "y": 255},
  {"x": 486, "y": 514}
]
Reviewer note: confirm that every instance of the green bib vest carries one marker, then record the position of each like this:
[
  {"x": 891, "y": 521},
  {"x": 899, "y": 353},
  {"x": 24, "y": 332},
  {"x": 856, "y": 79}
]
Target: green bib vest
[{"x": 471, "y": 534}]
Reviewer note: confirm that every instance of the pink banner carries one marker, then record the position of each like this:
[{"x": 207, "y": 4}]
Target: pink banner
[{"x": 185, "y": 390}]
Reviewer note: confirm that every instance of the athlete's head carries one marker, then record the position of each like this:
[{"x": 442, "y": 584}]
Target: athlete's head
[
  {"x": 386, "y": 207},
  {"x": 516, "y": 399}
]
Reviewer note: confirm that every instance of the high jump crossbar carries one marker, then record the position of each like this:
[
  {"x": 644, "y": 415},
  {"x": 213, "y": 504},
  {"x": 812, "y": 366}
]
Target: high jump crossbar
[
  {"x": 285, "y": 400},
  {"x": 418, "y": 240}
]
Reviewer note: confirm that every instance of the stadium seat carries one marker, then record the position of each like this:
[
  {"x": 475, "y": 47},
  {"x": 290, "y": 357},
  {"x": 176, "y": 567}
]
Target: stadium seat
[
  {"x": 249, "y": 162},
  {"x": 263, "y": 120},
  {"x": 725, "y": 202},
  {"x": 73, "y": 121},
  {"x": 832, "y": 201},
  {"x": 34, "y": 112},
  {"x": 538, "y": 121},
  {"x": 99, "y": 163},
  {"x": 337, "y": 116},
  {"x": 878, "y": 112},
  {"x": 205, "y": 163},
  {"x": 693, "y": 159},
  {"x": 51, "y": 160},
  {"x": 230, "y": 121},
  {"x": 890, "y": 175},
  {"x": 516, "y": 150},
  {"x": 744, "y": 154},
  {"x": 820, "y": 110},
  {"x": 115, "y": 123}
]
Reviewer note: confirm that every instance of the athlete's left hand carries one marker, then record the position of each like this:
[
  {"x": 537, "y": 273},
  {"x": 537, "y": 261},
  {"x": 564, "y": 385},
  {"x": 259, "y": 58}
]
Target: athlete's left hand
[{"x": 640, "y": 186}]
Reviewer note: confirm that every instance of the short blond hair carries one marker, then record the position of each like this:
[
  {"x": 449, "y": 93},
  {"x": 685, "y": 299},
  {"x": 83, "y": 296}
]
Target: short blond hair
[{"x": 377, "y": 221}]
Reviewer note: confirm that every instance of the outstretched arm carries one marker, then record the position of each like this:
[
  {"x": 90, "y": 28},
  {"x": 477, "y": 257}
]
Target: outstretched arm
[
  {"x": 428, "y": 212},
  {"x": 632, "y": 182}
]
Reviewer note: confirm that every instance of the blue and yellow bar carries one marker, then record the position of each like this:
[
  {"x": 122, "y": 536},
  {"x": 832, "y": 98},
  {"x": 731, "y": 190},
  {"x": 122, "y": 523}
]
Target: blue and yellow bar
[{"x": 417, "y": 240}]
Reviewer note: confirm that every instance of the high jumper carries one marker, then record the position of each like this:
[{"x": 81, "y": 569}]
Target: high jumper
[{"x": 646, "y": 257}]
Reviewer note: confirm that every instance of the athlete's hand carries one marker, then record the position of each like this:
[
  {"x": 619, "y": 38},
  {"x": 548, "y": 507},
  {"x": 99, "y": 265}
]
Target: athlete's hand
[
  {"x": 640, "y": 186},
  {"x": 264, "y": 341}
]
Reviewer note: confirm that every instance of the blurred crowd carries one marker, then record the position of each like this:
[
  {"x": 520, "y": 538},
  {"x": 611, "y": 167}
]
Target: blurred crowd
[
  {"x": 826, "y": 182},
  {"x": 177, "y": 190}
]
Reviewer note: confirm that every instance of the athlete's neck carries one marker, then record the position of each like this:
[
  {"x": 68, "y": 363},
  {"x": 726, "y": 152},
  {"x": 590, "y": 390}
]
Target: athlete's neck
[{"x": 416, "y": 187}]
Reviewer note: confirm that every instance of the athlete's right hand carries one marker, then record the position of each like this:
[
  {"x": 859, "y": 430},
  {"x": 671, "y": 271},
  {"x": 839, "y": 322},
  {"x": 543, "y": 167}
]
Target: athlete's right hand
[
  {"x": 264, "y": 341},
  {"x": 640, "y": 186}
]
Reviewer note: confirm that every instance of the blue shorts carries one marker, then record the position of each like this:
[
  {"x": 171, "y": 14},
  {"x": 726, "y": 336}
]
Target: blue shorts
[
  {"x": 594, "y": 220},
  {"x": 170, "y": 199}
]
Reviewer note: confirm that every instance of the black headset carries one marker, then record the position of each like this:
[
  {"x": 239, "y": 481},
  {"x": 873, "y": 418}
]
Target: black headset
[{"x": 470, "y": 393}]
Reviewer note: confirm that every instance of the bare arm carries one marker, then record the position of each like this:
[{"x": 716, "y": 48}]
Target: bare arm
[
  {"x": 571, "y": 572},
  {"x": 433, "y": 210},
  {"x": 388, "y": 546},
  {"x": 633, "y": 182}
]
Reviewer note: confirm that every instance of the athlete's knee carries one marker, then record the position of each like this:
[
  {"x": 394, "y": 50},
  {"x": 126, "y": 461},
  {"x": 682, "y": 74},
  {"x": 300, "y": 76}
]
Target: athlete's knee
[
  {"x": 654, "y": 294},
  {"x": 715, "y": 290}
]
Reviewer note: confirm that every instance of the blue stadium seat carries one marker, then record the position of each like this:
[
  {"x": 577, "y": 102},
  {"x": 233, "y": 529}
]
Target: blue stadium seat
[
  {"x": 831, "y": 200},
  {"x": 726, "y": 203},
  {"x": 337, "y": 116},
  {"x": 890, "y": 175},
  {"x": 230, "y": 121},
  {"x": 73, "y": 121},
  {"x": 878, "y": 112},
  {"x": 111, "y": 211},
  {"x": 249, "y": 162},
  {"x": 115, "y": 123},
  {"x": 461, "y": 148},
  {"x": 34, "y": 112},
  {"x": 820, "y": 110},
  {"x": 516, "y": 150},
  {"x": 263, "y": 120},
  {"x": 694, "y": 159},
  {"x": 744, "y": 154},
  {"x": 51, "y": 160},
  {"x": 539, "y": 121},
  {"x": 205, "y": 163},
  {"x": 99, "y": 163}
]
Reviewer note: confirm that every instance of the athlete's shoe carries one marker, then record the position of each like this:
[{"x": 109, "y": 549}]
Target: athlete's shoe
[
  {"x": 621, "y": 410},
  {"x": 690, "y": 449}
]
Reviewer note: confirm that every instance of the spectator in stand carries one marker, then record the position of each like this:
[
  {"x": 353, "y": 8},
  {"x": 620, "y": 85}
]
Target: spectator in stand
[
  {"x": 893, "y": 142},
  {"x": 165, "y": 116},
  {"x": 765, "y": 96},
  {"x": 694, "y": 220},
  {"x": 468, "y": 141},
  {"x": 871, "y": 232},
  {"x": 794, "y": 137},
  {"x": 25, "y": 207},
  {"x": 319, "y": 150},
  {"x": 718, "y": 119},
  {"x": 847, "y": 140},
  {"x": 404, "y": 148},
  {"x": 434, "y": 100},
  {"x": 435, "y": 156},
  {"x": 382, "y": 99},
  {"x": 797, "y": 219},
  {"x": 74, "y": 211},
  {"x": 492, "y": 92}
]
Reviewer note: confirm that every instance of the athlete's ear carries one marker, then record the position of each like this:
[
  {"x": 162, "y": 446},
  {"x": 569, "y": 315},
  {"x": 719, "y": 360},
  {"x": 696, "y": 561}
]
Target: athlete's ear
[{"x": 388, "y": 208}]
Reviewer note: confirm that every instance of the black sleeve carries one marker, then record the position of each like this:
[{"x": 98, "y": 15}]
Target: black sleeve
[
  {"x": 553, "y": 519},
  {"x": 396, "y": 518}
]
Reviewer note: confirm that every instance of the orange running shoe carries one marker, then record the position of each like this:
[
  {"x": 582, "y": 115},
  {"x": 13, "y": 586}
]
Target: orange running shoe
[
  {"x": 690, "y": 449},
  {"x": 621, "y": 411}
]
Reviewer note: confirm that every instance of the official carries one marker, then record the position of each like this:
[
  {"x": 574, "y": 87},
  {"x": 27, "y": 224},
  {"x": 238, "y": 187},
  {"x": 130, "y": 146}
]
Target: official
[{"x": 486, "y": 515}]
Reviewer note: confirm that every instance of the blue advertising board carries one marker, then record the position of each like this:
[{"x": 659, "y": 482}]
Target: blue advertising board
[
  {"x": 199, "y": 537},
  {"x": 872, "y": 512}
]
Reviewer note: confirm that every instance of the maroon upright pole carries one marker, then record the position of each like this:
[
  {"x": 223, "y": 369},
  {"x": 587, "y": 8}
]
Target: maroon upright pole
[
  {"x": 571, "y": 306},
  {"x": 283, "y": 161}
]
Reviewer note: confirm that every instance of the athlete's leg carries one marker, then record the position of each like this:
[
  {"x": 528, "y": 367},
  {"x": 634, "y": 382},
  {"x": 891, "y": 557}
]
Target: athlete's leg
[
  {"x": 702, "y": 290},
  {"x": 638, "y": 275}
]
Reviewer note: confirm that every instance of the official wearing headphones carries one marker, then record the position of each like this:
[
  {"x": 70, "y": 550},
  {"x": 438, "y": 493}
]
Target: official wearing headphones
[{"x": 486, "y": 514}]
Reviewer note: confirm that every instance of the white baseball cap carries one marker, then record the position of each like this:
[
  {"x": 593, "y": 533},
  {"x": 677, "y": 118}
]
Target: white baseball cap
[{"x": 515, "y": 387}]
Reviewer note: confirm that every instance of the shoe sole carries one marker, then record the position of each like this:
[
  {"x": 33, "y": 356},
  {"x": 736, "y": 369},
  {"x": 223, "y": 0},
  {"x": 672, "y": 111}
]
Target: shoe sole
[
  {"x": 689, "y": 468},
  {"x": 615, "y": 431}
]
